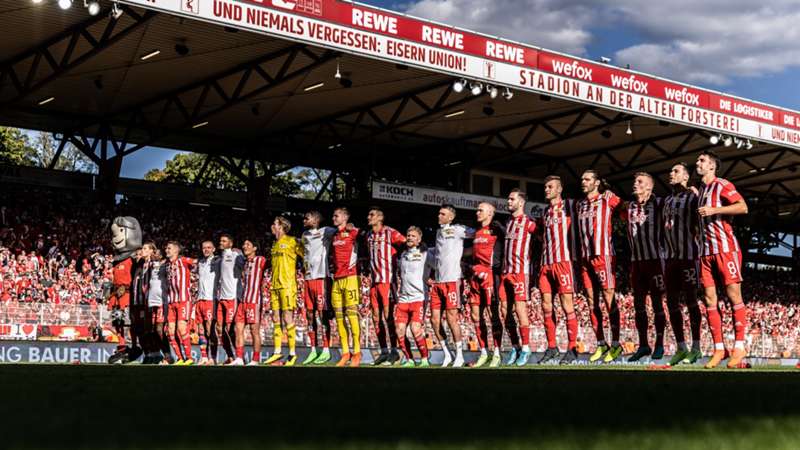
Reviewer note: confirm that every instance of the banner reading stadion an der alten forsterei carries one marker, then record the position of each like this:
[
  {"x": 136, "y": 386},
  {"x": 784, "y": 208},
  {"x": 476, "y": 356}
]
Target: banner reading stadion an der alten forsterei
[
  {"x": 390, "y": 36},
  {"x": 427, "y": 196}
]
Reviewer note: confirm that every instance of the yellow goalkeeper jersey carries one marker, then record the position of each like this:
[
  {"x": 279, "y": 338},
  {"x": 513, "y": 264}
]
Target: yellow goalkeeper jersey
[{"x": 284, "y": 263}]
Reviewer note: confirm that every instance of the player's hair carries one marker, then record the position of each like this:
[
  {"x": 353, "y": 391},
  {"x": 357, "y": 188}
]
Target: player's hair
[
  {"x": 255, "y": 242},
  {"x": 284, "y": 223},
  {"x": 150, "y": 244},
  {"x": 643, "y": 174},
  {"x": 176, "y": 244},
  {"x": 520, "y": 194},
  {"x": 157, "y": 254},
  {"x": 227, "y": 236},
  {"x": 207, "y": 240},
  {"x": 378, "y": 210},
  {"x": 344, "y": 210},
  {"x": 416, "y": 229},
  {"x": 550, "y": 178},
  {"x": 491, "y": 206},
  {"x": 714, "y": 157},
  {"x": 685, "y": 167},
  {"x": 315, "y": 214},
  {"x": 449, "y": 207},
  {"x": 604, "y": 185}
]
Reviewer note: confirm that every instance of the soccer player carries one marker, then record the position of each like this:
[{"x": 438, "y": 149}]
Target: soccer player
[
  {"x": 248, "y": 311},
  {"x": 598, "y": 261},
  {"x": 413, "y": 269},
  {"x": 556, "y": 272},
  {"x": 720, "y": 255},
  {"x": 445, "y": 293},
  {"x": 316, "y": 273},
  {"x": 346, "y": 293},
  {"x": 514, "y": 281},
  {"x": 643, "y": 216},
  {"x": 486, "y": 261},
  {"x": 179, "y": 275},
  {"x": 157, "y": 288},
  {"x": 207, "y": 281},
  {"x": 231, "y": 266},
  {"x": 283, "y": 291},
  {"x": 381, "y": 242},
  {"x": 681, "y": 270}
]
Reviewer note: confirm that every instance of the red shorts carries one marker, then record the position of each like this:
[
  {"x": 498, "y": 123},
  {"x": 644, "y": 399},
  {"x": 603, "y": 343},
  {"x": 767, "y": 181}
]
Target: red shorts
[
  {"x": 412, "y": 311},
  {"x": 248, "y": 313},
  {"x": 681, "y": 276},
  {"x": 557, "y": 274},
  {"x": 446, "y": 292},
  {"x": 204, "y": 311},
  {"x": 599, "y": 270},
  {"x": 178, "y": 311},
  {"x": 647, "y": 277},
  {"x": 156, "y": 314},
  {"x": 121, "y": 302},
  {"x": 226, "y": 311},
  {"x": 513, "y": 285},
  {"x": 315, "y": 295},
  {"x": 726, "y": 266},
  {"x": 379, "y": 295},
  {"x": 481, "y": 285}
]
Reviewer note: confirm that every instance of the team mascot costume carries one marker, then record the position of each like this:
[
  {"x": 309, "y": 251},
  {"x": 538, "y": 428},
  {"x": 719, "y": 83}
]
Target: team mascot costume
[{"x": 126, "y": 238}]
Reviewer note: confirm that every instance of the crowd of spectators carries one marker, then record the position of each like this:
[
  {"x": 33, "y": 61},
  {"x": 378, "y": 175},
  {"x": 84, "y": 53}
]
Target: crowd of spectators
[{"x": 55, "y": 254}]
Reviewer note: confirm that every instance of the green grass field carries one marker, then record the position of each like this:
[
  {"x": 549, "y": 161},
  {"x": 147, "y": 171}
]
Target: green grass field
[{"x": 127, "y": 407}]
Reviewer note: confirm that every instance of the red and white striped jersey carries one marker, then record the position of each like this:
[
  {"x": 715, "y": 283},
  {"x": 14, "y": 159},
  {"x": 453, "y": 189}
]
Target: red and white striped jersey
[
  {"x": 518, "y": 244},
  {"x": 382, "y": 252},
  {"x": 680, "y": 218},
  {"x": 557, "y": 237},
  {"x": 716, "y": 232},
  {"x": 179, "y": 275},
  {"x": 594, "y": 223},
  {"x": 644, "y": 229},
  {"x": 253, "y": 278}
]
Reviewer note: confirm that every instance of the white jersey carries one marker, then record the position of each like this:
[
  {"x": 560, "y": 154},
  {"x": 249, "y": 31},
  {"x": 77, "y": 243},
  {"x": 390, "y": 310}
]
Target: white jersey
[
  {"x": 156, "y": 283},
  {"x": 231, "y": 266},
  {"x": 207, "y": 278},
  {"x": 413, "y": 270},
  {"x": 449, "y": 249},
  {"x": 316, "y": 247}
]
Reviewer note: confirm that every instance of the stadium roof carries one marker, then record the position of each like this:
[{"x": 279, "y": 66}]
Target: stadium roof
[{"x": 236, "y": 78}]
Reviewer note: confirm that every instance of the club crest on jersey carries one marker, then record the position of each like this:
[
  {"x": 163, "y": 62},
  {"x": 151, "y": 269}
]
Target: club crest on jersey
[{"x": 638, "y": 217}]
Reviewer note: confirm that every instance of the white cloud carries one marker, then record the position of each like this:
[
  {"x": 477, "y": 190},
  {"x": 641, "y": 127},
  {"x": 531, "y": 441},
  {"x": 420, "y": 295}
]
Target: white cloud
[
  {"x": 559, "y": 25},
  {"x": 698, "y": 41}
]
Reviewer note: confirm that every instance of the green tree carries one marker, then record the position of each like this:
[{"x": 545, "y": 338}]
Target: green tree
[
  {"x": 15, "y": 147},
  {"x": 184, "y": 168}
]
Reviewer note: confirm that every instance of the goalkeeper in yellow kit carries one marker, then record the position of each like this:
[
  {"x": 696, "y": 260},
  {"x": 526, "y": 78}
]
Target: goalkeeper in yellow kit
[{"x": 283, "y": 291}]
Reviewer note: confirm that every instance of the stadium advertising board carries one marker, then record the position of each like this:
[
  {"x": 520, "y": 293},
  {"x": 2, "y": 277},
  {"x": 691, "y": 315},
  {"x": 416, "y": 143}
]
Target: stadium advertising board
[
  {"x": 386, "y": 35},
  {"x": 434, "y": 197}
]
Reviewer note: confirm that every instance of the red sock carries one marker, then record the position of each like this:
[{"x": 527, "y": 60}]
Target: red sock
[
  {"x": 186, "y": 340},
  {"x": 572, "y": 330},
  {"x": 326, "y": 334},
  {"x": 406, "y": 350},
  {"x": 121, "y": 335},
  {"x": 480, "y": 333},
  {"x": 203, "y": 347},
  {"x": 240, "y": 352},
  {"x": 739, "y": 320},
  {"x": 256, "y": 356},
  {"x": 525, "y": 335},
  {"x": 715, "y": 323},
  {"x": 550, "y": 328},
  {"x": 421, "y": 345},
  {"x": 175, "y": 347}
]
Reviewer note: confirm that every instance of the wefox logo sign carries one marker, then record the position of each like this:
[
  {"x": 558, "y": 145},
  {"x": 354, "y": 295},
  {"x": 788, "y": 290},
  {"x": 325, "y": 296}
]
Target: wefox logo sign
[
  {"x": 682, "y": 96},
  {"x": 630, "y": 83},
  {"x": 574, "y": 70}
]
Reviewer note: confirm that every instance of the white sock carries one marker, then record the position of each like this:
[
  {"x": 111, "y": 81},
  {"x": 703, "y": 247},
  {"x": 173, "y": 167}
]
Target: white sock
[
  {"x": 738, "y": 345},
  {"x": 496, "y": 352},
  {"x": 719, "y": 346},
  {"x": 483, "y": 351},
  {"x": 326, "y": 349},
  {"x": 526, "y": 348},
  {"x": 458, "y": 348}
]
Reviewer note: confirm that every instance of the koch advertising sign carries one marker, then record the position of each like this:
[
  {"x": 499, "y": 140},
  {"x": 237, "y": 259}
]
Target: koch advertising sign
[
  {"x": 433, "y": 197},
  {"x": 390, "y": 36}
]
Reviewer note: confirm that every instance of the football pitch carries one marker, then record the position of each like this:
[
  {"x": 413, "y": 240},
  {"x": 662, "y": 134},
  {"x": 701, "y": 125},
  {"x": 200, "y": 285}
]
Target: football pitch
[{"x": 151, "y": 407}]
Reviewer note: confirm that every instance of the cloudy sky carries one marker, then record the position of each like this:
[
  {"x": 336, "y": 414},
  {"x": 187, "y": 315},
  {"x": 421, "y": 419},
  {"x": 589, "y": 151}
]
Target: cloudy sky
[{"x": 743, "y": 47}]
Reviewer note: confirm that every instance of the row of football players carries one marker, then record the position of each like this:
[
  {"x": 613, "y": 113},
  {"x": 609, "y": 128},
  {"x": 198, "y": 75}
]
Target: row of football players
[{"x": 676, "y": 242}]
